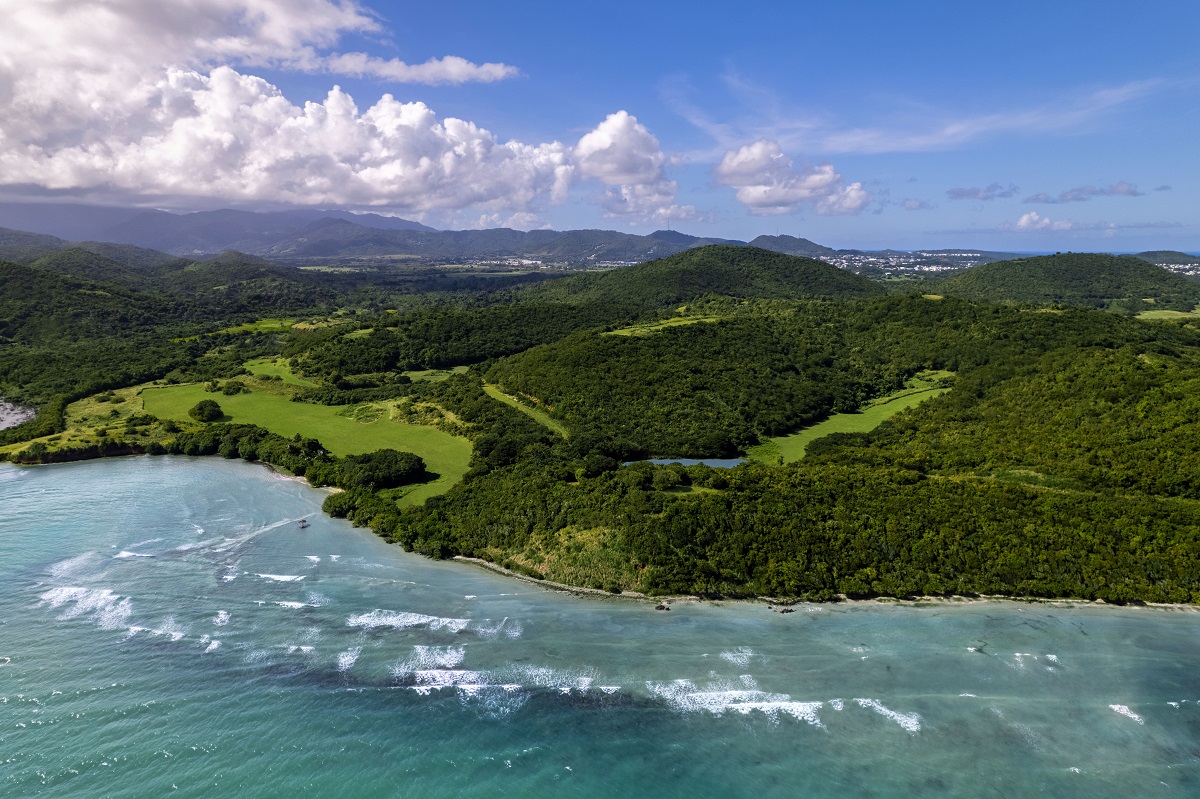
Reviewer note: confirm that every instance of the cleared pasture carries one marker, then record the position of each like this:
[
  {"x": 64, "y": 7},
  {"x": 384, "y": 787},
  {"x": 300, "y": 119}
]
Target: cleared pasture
[
  {"x": 537, "y": 414},
  {"x": 650, "y": 328},
  {"x": 278, "y": 325},
  {"x": 344, "y": 430},
  {"x": 792, "y": 447},
  {"x": 276, "y": 367}
]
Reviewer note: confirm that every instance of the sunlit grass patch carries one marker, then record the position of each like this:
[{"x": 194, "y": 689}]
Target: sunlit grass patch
[
  {"x": 343, "y": 430},
  {"x": 649, "y": 328},
  {"x": 789, "y": 448},
  {"x": 537, "y": 414},
  {"x": 276, "y": 367}
]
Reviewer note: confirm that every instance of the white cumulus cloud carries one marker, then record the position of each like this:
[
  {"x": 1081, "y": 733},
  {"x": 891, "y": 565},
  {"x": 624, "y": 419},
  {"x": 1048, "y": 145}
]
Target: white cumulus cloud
[
  {"x": 236, "y": 137},
  {"x": 766, "y": 182},
  {"x": 626, "y": 157},
  {"x": 1035, "y": 221},
  {"x": 151, "y": 100}
]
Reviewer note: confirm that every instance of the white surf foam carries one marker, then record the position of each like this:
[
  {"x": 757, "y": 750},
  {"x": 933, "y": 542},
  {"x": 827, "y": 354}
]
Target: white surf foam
[
  {"x": 909, "y": 721},
  {"x": 346, "y": 660},
  {"x": 171, "y": 629},
  {"x": 449, "y": 678},
  {"x": 127, "y": 554},
  {"x": 424, "y": 658},
  {"x": 281, "y": 578},
  {"x": 221, "y": 619},
  {"x": 1125, "y": 711},
  {"x": 739, "y": 657},
  {"x": 488, "y": 630},
  {"x": 564, "y": 681},
  {"x": 212, "y": 647},
  {"x": 70, "y": 565},
  {"x": 314, "y": 559},
  {"x": 400, "y": 620},
  {"x": 106, "y": 609},
  {"x": 294, "y": 605},
  {"x": 335, "y": 558},
  {"x": 685, "y": 696}
]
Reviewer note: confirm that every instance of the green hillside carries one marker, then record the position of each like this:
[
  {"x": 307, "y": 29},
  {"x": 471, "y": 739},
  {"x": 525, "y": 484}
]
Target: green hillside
[
  {"x": 722, "y": 269},
  {"x": 21, "y": 247},
  {"x": 1081, "y": 279},
  {"x": 520, "y": 319},
  {"x": 77, "y": 262},
  {"x": 1168, "y": 257}
]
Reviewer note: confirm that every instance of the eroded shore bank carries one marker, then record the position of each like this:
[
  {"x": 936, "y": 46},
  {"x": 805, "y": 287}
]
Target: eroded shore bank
[{"x": 13, "y": 415}]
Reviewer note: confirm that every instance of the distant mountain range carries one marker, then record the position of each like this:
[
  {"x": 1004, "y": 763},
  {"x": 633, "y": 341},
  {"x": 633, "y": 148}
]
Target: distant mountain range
[
  {"x": 199, "y": 233},
  {"x": 311, "y": 236}
]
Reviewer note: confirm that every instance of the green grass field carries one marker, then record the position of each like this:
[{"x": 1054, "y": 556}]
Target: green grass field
[
  {"x": 791, "y": 448},
  {"x": 536, "y": 414},
  {"x": 1191, "y": 315},
  {"x": 276, "y": 367},
  {"x": 334, "y": 426},
  {"x": 435, "y": 375},
  {"x": 262, "y": 326},
  {"x": 649, "y": 328}
]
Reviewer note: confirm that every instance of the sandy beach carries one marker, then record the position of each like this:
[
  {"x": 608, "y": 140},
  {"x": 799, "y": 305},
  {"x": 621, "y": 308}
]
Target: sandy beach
[{"x": 13, "y": 415}]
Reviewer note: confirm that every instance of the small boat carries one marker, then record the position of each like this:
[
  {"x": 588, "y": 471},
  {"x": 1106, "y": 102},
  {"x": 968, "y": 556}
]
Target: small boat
[{"x": 302, "y": 523}]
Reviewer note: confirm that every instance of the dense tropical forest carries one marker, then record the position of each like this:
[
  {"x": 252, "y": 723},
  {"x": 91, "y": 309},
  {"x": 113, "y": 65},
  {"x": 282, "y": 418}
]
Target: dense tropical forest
[{"x": 1062, "y": 461}]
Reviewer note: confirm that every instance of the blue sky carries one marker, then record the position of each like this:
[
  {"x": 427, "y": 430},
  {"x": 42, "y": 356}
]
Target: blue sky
[{"x": 1015, "y": 126}]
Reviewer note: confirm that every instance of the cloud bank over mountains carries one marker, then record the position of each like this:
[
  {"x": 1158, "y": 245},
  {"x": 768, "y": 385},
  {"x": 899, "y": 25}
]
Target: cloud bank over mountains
[
  {"x": 475, "y": 116},
  {"x": 136, "y": 99}
]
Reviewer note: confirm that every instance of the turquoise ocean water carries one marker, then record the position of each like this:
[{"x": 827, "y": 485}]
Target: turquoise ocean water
[{"x": 167, "y": 629}]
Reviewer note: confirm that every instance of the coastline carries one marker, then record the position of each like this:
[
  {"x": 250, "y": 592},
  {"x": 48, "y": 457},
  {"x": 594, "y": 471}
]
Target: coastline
[
  {"x": 774, "y": 603},
  {"x": 13, "y": 415}
]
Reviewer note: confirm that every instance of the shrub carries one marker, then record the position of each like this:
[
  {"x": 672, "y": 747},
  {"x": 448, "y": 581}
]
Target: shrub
[{"x": 206, "y": 411}]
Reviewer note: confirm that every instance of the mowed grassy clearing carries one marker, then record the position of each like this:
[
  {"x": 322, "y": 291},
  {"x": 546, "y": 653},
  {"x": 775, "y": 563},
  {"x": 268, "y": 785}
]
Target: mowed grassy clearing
[
  {"x": 649, "y": 328},
  {"x": 277, "y": 367},
  {"x": 792, "y": 447},
  {"x": 344, "y": 430},
  {"x": 1191, "y": 315},
  {"x": 435, "y": 375},
  {"x": 262, "y": 326},
  {"x": 537, "y": 414}
]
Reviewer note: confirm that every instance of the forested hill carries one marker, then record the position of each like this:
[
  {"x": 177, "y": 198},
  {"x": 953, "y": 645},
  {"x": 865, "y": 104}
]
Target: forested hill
[
  {"x": 229, "y": 275},
  {"x": 721, "y": 269},
  {"x": 522, "y": 318},
  {"x": 791, "y": 245},
  {"x": 18, "y": 246},
  {"x": 1168, "y": 257},
  {"x": 1081, "y": 279},
  {"x": 35, "y": 304}
]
